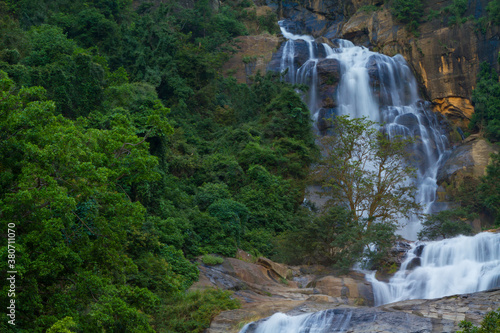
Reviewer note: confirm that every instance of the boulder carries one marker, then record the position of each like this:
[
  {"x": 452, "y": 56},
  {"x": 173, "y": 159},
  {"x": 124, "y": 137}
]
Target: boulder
[
  {"x": 470, "y": 159},
  {"x": 414, "y": 263},
  {"x": 351, "y": 290},
  {"x": 280, "y": 270}
]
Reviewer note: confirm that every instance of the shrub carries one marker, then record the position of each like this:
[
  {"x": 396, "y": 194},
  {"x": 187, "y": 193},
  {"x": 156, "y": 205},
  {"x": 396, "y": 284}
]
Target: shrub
[
  {"x": 208, "y": 259},
  {"x": 486, "y": 101},
  {"x": 493, "y": 9},
  {"x": 446, "y": 224},
  {"x": 192, "y": 312},
  {"x": 408, "y": 12},
  {"x": 490, "y": 324},
  {"x": 368, "y": 8}
]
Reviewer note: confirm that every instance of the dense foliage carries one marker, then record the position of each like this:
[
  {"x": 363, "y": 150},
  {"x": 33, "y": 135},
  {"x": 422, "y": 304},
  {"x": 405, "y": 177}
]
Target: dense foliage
[
  {"x": 447, "y": 224},
  {"x": 409, "y": 12},
  {"x": 486, "y": 100},
  {"x": 112, "y": 193},
  {"x": 335, "y": 238}
]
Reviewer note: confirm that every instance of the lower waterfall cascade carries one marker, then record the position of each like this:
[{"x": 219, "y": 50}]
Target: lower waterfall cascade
[
  {"x": 384, "y": 89},
  {"x": 323, "y": 321},
  {"x": 460, "y": 265}
]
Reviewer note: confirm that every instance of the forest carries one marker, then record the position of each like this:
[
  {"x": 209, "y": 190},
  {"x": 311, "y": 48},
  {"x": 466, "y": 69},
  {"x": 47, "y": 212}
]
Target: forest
[{"x": 125, "y": 155}]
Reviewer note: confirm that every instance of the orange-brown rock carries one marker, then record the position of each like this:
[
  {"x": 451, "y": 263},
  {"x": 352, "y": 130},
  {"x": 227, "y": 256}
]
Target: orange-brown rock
[
  {"x": 282, "y": 271},
  {"x": 253, "y": 55},
  {"x": 457, "y": 109}
]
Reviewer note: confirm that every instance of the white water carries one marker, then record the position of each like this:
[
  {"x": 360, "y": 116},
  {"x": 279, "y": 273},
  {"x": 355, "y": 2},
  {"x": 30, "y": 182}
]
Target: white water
[
  {"x": 452, "y": 266},
  {"x": 396, "y": 103},
  {"x": 318, "y": 322}
]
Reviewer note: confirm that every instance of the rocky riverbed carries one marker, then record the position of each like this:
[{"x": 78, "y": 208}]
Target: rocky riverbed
[{"x": 265, "y": 288}]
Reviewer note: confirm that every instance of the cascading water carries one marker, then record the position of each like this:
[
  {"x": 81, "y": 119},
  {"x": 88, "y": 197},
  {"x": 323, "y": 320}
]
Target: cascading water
[
  {"x": 436, "y": 269},
  {"x": 380, "y": 88},
  {"x": 318, "y": 322}
]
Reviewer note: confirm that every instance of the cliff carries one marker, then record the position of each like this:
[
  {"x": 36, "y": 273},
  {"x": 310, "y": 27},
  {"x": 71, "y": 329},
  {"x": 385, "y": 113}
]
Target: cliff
[{"x": 444, "y": 57}]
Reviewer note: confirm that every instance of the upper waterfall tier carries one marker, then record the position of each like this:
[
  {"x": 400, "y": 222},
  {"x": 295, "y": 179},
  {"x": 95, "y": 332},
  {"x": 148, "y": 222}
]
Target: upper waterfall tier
[{"x": 345, "y": 79}]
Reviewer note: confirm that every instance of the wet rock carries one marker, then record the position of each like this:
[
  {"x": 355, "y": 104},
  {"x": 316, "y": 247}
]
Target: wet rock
[
  {"x": 414, "y": 263},
  {"x": 324, "y": 119},
  {"x": 301, "y": 52},
  {"x": 329, "y": 103},
  {"x": 329, "y": 73},
  {"x": 410, "y": 121},
  {"x": 419, "y": 249}
]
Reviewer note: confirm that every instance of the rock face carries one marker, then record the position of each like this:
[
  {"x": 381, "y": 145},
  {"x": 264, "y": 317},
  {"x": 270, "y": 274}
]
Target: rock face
[
  {"x": 470, "y": 307},
  {"x": 254, "y": 54},
  {"x": 458, "y": 110},
  {"x": 345, "y": 288},
  {"x": 468, "y": 160},
  {"x": 329, "y": 74},
  {"x": 371, "y": 321}
]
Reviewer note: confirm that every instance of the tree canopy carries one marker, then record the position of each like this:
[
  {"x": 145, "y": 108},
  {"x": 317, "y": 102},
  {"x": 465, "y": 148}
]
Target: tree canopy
[{"x": 366, "y": 172}]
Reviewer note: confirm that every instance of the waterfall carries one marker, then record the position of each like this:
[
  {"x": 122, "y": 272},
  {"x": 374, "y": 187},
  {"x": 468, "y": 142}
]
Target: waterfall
[
  {"x": 436, "y": 269},
  {"x": 378, "y": 87},
  {"x": 383, "y": 89}
]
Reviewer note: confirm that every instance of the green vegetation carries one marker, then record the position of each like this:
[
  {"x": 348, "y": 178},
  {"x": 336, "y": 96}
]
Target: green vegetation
[
  {"x": 456, "y": 12},
  {"x": 447, "y": 224},
  {"x": 112, "y": 194},
  {"x": 489, "y": 324},
  {"x": 364, "y": 171},
  {"x": 125, "y": 155},
  {"x": 369, "y": 8},
  {"x": 208, "y": 259},
  {"x": 493, "y": 9},
  {"x": 335, "y": 238},
  {"x": 486, "y": 100},
  {"x": 489, "y": 189},
  {"x": 409, "y": 12}
]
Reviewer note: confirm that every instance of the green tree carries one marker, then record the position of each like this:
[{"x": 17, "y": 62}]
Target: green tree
[
  {"x": 493, "y": 9},
  {"x": 364, "y": 171},
  {"x": 486, "y": 101},
  {"x": 62, "y": 187},
  {"x": 409, "y": 12},
  {"x": 336, "y": 238},
  {"x": 489, "y": 189},
  {"x": 447, "y": 224},
  {"x": 489, "y": 324}
]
